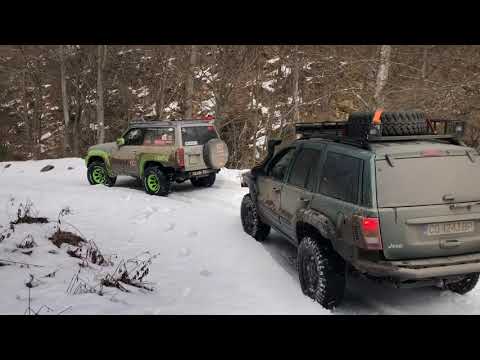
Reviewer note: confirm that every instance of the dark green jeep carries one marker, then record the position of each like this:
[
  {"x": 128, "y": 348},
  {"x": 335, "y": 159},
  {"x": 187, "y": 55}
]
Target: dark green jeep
[{"x": 391, "y": 199}]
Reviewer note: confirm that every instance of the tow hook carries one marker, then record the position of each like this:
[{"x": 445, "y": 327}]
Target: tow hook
[{"x": 440, "y": 284}]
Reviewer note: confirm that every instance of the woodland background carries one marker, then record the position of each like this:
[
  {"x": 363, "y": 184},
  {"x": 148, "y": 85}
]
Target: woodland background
[{"x": 55, "y": 101}]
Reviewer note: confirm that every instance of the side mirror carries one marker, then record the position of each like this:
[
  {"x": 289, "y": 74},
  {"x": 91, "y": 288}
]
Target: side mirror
[{"x": 120, "y": 141}]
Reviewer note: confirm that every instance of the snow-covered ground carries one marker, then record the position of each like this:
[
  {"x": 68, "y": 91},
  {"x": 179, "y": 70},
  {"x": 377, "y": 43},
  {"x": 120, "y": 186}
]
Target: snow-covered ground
[{"x": 206, "y": 264}]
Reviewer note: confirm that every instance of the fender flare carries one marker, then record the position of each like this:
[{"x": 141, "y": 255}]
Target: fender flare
[
  {"x": 102, "y": 154},
  {"x": 322, "y": 223},
  {"x": 163, "y": 160}
]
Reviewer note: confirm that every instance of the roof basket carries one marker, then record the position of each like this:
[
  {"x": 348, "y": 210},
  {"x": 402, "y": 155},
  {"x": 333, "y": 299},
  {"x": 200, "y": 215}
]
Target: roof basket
[{"x": 439, "y": 129}]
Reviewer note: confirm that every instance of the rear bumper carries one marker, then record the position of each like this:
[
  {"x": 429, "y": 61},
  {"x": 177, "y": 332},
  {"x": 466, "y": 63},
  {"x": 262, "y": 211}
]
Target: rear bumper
[
  {"x": 421, "y": 269},
  {"x": 194, "y": 173}
]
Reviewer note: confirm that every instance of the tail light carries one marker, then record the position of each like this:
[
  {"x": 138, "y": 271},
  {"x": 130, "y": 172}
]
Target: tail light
[
  {"x": 180, "y": 157},
  {"x": 370, "y": 238}
]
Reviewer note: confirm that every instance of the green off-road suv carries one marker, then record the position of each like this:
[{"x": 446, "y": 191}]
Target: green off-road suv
[
  {"x": 158, "y": 153},
  {"x": 385, "y": 195}
]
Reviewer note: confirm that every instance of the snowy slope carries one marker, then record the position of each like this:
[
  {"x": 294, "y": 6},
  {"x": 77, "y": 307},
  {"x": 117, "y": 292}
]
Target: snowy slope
[{"x": 206, "y": 263}]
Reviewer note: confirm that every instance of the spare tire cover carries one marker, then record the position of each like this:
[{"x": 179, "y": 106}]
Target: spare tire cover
[{"x": 215, "y": 154}]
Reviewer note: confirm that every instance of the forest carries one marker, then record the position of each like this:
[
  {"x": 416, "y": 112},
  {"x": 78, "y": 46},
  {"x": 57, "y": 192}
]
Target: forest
[{"x": 57, "y": 100}]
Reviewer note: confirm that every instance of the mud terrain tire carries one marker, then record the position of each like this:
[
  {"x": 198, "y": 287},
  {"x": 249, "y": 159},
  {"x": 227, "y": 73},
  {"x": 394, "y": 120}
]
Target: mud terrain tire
[
  {"x": 251, "y": 222},
  {"x": 321, "y": 271}
]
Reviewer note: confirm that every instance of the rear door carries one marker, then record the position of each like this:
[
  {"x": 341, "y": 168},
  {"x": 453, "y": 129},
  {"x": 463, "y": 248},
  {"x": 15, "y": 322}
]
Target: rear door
[
  {"x": 429, "y": 205},
  {"x": 193, "y": 138},
  {"x": 270, "y": 184},
  {"x": 297, "y": 191},
  {"x": 338, "y": 192}
]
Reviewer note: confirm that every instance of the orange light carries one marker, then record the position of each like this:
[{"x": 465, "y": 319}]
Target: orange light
[{"x": 377, "y": 117}]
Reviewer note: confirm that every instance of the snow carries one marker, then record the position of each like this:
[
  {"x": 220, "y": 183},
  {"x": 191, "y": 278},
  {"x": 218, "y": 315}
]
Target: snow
[
  {"x": 286, "y": 70},
  {"x": 273, "y": 61},
  {"x": 206, "y": 264},
  {"x": 173, "y": 106},
  {"x": 45, "y": 136},
  {"x": 268, "y": 85}
]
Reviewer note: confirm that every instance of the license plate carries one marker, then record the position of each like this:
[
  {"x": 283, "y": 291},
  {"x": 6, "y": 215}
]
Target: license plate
[
  {"x": 456, "y": 227},
  {"x": 201, "y": 172}
]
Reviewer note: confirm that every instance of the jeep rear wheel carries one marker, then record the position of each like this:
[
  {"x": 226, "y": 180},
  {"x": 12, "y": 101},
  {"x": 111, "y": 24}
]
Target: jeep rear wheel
[
  {"x": 251, "y": 222},
  {"x": 322, "y": 272},
  {"x": 206, "y": 181},
  {"x": 97, "y": 174},
  {"x": 465, "y": 285},
  {"x": 156, "y": 182}
]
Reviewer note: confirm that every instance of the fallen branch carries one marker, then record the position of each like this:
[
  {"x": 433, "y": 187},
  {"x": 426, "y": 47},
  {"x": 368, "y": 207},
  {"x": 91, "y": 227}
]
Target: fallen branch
[{"x": 21, "y": 263}]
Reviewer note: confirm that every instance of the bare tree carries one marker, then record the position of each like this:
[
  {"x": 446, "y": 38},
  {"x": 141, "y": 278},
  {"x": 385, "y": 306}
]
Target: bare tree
[
  {"x": 66, "y": 113},
  {"x": 382, "y": 75},
  {"x": 296, "y": 76},
  {"x": 101, "y": 61},
  {"x": 189, "y": 83}
]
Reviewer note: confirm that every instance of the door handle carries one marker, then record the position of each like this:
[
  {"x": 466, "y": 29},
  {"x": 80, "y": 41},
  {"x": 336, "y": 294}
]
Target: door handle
[
  {"x": 303, "y": 200},
  {"x": 276, "y": 189},
  {"x": 448, "y": 244},
  {"x": 448, "y": 197}
]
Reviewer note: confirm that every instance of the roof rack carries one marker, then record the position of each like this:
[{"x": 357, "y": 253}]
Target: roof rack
[{"x": 451, "y": 131}]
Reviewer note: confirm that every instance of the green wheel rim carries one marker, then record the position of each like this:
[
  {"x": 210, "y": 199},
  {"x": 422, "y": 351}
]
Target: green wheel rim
[
  {"x": 152, "y": 183},
  {"x": 98, "y": 175}
]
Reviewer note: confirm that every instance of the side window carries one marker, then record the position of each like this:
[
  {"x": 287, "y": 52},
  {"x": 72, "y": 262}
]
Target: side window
[
  {"x": 301, "y": 168},
  {"x": 278, "y": 169},
  {"x": 340, "y": 177},
  {"x": 134, "y": 137},
  {"x": 314, "y": 176},
  {"x": 366, "y": 185},
  {"x": 159, "y": 137}
]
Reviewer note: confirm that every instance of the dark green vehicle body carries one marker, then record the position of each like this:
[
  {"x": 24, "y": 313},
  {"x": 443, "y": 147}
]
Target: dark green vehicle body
[{"x": 425, "y": 195}]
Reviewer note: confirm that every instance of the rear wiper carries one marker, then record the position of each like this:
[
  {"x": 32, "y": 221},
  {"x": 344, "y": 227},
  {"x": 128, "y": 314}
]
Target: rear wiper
[{"x": 459, "y": 206}]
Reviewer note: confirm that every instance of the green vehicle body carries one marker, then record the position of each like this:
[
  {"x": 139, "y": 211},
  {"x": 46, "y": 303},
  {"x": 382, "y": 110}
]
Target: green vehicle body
[
  {"x": 123, "y": 158},
  {"x": 406, "y": 185}
]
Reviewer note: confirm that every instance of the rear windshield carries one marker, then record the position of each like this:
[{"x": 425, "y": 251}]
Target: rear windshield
[
  {"x": 425, "y": 180},
  {"x": 198, "y": 135}
]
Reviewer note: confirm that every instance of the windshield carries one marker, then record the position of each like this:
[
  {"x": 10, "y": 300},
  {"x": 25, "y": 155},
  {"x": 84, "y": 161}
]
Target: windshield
[
  {"x": 198, "y": 135},
  {"x": 425, "y": 180}
]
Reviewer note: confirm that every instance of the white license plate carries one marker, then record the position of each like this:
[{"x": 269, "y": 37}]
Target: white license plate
[
  {"x": 456, "y": 227},
  {"x": 201, "y": 172}
]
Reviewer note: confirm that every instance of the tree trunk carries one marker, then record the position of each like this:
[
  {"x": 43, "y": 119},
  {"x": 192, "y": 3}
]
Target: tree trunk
[
  {"x": 189, "y": 83},
  {"x": 76, "y": 131},
  {"x": 101, "y": 60},
  {"x": 66, "y": 114},
  {"x": 382, "y": 75},
  {"x": 296, "y": 76},
  {"x": 160, "y": 103}
]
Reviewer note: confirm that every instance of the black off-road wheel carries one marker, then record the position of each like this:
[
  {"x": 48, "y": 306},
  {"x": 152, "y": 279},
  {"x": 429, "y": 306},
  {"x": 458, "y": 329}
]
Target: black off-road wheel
[
  {"x": 465, "y": 285},
  {"x": 156, "y": 182},
  {"x": 205, "y": 181},
  {"x": 251, "y": 222},
  {"x": 97, "y": 174},
  {"x": 322, "y": 272}
]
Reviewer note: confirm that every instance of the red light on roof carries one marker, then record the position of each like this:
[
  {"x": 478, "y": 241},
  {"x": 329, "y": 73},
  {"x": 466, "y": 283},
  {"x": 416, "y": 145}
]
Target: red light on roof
[{"x": 208, "y": 118}]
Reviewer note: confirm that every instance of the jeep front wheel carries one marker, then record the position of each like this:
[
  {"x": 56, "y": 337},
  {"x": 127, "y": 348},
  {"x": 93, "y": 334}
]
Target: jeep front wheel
[
  {"x": 251, "y": 222},
  {"x": 156, "y": 182},
  {"x": 97, "y": 174},
  {"x": 321, "y": 271}
]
